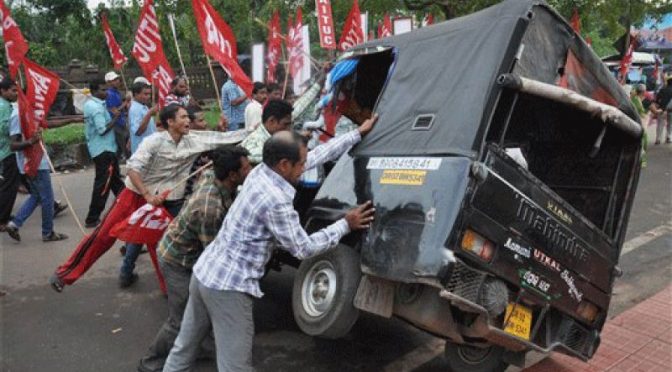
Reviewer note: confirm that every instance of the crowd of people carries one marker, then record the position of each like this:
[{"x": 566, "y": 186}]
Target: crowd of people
[{"x": 226, "y": 220}]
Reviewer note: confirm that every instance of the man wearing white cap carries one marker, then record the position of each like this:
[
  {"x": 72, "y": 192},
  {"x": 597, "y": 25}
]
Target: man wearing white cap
[{"x": 116, "y": 101}]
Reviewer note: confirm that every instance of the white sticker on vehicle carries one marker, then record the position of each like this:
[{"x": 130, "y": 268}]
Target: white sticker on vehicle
[{"x": 404, "y": 163}]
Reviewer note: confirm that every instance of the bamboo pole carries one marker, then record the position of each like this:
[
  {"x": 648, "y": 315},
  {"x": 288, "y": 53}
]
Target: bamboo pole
[
  {"x": 65, "y": 195},
  {"x": 177, "y": 46},
  {"x": 123, "y": 78},
  {"x": 214, "y": 84}
]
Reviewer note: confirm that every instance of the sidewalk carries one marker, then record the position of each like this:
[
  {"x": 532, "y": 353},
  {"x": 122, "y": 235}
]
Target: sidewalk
[{"x": 639, "y": 339}]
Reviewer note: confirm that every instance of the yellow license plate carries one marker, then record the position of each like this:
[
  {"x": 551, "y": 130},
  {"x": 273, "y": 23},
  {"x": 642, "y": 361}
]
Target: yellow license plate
[{"x": 519, "y": 321}]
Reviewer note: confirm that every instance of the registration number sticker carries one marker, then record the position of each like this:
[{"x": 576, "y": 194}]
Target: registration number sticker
[
  {"x": 403, "y": 177},
  {"x": 519, "y": 321}
]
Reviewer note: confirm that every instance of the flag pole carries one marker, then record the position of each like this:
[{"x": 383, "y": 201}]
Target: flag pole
[
  {"x": 214, "y": 83},
  {"x": 177, "y": 46},
  {"x": 60, "y": 184},
  {"x": 123, "y": 78}
]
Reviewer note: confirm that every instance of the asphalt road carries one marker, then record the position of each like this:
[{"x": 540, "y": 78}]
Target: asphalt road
[{"x": 95, "y": 326}]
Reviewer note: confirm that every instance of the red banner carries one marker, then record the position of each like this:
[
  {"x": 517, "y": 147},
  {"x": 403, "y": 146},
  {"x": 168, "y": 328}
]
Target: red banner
[
  {"x": 145, "y": 226},
  {"x": 148, "y": 51},
  {"x": 219, "y": 42},
  {"x": 575, "y": 21},
  {"x": 428, "y": 20},
  {"x": 41, "y": 90},
  {"x": 352, "y": 29},
  {"x": 386, "y": 28},
  {"x": 274, "y": 47},
  {"x": 16, "y": 46},
  {"x": 295, "y": 44},
  {"x": 33, "y": 153},
  {"x": 118, "y": 57},
  {"x": 627, "y": 60},
  {"x": 325, "y": 24}
]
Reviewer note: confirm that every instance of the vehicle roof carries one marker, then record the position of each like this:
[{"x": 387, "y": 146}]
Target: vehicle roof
[{"x": 450, "y": 70}]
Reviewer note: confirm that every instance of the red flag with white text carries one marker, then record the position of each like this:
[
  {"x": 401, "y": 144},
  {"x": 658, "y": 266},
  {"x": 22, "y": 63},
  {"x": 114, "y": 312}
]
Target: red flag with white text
[
  {"x": 16, "y": 46},
  {"x": 428, "y": 20},
  {"x": 41, "y": 90},
  {"x": 627, "y": 59},
  {"x": 219, "y": 42},
  {"x": 386, "y": 29},
  {"x": 274, "y": 47},
  {"x": 325, "y": 24},
  {"x": 353, "y": 33},
  {"x": 33, "y": 153},
  {"x": 118, "y": 57},
  {"x": 295, "y": 44},
  {"x": 148, "y": 51},
  {"x": 145, "y": 226}
]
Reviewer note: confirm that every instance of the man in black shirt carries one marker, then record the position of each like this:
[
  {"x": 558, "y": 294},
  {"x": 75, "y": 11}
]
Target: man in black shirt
[{"x": 664, "y": 102}]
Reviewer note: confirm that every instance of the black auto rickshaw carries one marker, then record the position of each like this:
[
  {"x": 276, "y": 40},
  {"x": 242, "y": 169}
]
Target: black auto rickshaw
[{"x": 502, "y": 168}]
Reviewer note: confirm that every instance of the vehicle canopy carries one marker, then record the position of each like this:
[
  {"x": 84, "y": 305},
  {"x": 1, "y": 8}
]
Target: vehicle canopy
[{"x": 446, "y": 75}]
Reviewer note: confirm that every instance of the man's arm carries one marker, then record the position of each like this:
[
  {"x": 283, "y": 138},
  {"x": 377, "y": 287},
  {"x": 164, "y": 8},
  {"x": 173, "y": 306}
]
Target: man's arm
[
  {"x": 17, "y": 143},
  {"x": 337, "y": 146},
  {"x": 63, "y": 121},
  {"x": 101, "y": 126},
  {"x": 136, "y": 180},
  {"x": 144, "y": 122},
  {"x": 286, "y": 227},
  {"x": 206, "y": 140}
]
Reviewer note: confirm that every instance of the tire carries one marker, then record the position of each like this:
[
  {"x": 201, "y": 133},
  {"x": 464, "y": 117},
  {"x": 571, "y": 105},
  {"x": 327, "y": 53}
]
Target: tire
[
  {"x": 324, "y": 291},
  {"x": 474, "y": 359}
]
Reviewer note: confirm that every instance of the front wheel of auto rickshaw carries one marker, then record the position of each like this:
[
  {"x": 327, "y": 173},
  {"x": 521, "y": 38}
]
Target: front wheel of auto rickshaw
[
  {"x": 324, "y": 291},
  {"x": 474, "y": 359}
]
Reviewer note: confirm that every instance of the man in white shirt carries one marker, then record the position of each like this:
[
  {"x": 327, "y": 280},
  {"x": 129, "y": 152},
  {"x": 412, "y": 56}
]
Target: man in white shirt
[{"x": 254, "y": 109}]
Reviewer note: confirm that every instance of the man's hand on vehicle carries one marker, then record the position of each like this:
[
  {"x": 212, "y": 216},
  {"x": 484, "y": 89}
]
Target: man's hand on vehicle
[
  {"x": 361, "y": 217},
  {"x": 367, "y": 125}
]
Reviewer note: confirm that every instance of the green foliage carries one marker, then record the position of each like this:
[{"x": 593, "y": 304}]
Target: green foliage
[
  {"x": 63, "y": 136},
  {"x": 61, "y": 30}
]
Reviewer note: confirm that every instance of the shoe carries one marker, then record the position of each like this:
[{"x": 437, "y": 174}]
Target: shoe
[
  {"x": 58, "y": 208},
  {"x": 657, "y": 143},
  {"x": 91, "y": 224},
  {"x": 122, "y": 250},
  {"x": 127, "y": 281},
  {"x": 13, "y": 232},
  {"x": 56, "y": 283},
  {"x": 54, "y": 237},
  {"x": 668, "y": 141}
]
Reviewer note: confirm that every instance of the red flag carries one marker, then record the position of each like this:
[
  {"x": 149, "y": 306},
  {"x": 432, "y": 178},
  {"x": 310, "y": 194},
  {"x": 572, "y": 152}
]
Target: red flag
[
  {"x": 386, "y": 29},
  {"x": 325, "y": 24},
  {"x": 145, "y": 226},
  {"x": 274, "y": 47},
  {"x": 295, "y": 44},
  {"x": 353, "y": 33},
  {"x": 575, "y": 21},
  {"x": 16, "y": 46},
  {"x": 42, "y": 88},
  {"x": 118, "y": 57},
  {"x": 148, "y": 51},
  {"x": 627, "y": 60},
  {"x": 220, "y": 43},
  {"x": 33, "y": 153},
  {"x": 427, "y": 20}
]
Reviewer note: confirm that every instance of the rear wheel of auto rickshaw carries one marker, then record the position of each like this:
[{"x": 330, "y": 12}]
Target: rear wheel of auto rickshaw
[
  {"x": 324, "y": 291},
  {"x": 474, "y": 359}
]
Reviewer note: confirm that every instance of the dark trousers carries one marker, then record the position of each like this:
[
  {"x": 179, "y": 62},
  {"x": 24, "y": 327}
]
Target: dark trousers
[
  {"x": 8, "y": 187},
  {"x": 107, "y": 178},
  {"x": 177, "y": 284}
]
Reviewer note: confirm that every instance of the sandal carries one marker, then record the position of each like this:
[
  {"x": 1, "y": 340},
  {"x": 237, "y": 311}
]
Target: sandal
[
  {"x": 56, "y": 283},
  {"x": 54, "y": 237},
  {"x": 13, "y": 232}
]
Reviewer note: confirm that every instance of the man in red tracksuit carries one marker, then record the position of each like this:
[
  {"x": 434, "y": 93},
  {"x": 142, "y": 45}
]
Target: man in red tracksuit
[{"x": 162, "y": 160}]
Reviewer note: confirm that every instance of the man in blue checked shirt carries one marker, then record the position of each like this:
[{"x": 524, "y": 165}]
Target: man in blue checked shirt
[{"x": 226, "y": 277}]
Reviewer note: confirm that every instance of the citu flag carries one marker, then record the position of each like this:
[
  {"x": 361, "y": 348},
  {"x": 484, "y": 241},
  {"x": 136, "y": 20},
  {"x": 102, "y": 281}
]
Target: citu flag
[
  {"x": 428, "y": 20},
  {"x": 148, "y": 51},
  {"x": 118, "y": 57},
  {"x": 295, "y": 43},
  {"x": 16, "y": 46},
  {"x": 274, "y": 47},
  {"x": 353, "y": 33},
  {"x": 144, "y": 226},
  {"x": 219, "y": 42},
  {"x": 385, "y": 28}
]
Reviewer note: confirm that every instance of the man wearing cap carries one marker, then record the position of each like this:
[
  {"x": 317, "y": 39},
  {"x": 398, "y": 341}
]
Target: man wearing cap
[{"x": 116, "y": 101}]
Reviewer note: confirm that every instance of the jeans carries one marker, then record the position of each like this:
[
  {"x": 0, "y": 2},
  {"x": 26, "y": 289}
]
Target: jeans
[
  {"x": 230, "y": 315},
  {"x": 133, "y": 250},
  {"x": 8, "y": 187},
  {"x": 107, "y": 178},
  {"x": 177, "y": 283},
  {"x": 40, "y": 193}
]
